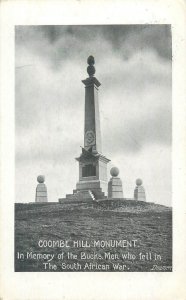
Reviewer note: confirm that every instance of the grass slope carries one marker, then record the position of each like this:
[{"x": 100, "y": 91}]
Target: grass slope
[{"x": 150, "y": 224}]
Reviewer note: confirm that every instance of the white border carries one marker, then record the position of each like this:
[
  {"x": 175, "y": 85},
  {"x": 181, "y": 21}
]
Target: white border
[{"x": 92, "y": 285}]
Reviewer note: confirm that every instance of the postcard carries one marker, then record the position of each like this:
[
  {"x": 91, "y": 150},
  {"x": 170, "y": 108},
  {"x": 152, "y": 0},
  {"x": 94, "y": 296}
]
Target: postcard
[{"x": 93, "y": 150}]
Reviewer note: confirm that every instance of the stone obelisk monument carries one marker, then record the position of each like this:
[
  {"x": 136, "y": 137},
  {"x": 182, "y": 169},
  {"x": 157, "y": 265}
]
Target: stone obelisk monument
[{"x": 92, "y": 163}]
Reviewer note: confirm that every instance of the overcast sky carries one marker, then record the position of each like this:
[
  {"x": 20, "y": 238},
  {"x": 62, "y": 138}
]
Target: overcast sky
[{"x": 133, "y": 64}]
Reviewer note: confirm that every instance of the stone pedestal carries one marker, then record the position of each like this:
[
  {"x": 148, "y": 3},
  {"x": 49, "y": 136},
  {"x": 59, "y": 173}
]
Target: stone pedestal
[
  {"x": 41, "y": 190},
  {"x": 139, "y": 191},
  {"x": 93, "y": 174},
  {"x": 115, "y": 189}
]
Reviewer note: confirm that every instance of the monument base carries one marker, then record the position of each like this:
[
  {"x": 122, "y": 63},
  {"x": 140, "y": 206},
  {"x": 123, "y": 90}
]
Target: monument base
[
  {"x": 97, "y": 187},
  {"x": 92, "y": 182},
  {"x": 88, "y": 190}
]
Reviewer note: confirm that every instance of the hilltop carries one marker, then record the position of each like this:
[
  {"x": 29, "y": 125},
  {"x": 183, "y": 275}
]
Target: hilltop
[{"x": 124, "y": 205}]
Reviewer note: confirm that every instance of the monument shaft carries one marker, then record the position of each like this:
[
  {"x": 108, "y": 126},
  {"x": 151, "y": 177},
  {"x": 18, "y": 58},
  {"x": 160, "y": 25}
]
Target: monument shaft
[{"x": 92, "y": 133}]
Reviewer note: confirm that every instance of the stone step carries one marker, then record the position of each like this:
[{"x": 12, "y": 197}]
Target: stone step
[
  {"x": 83, "y": 195},
  {"x": 91, "y": 195}
]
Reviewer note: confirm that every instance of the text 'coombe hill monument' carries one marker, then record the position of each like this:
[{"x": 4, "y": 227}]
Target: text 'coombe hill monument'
[{"x": 92, "y": 163}]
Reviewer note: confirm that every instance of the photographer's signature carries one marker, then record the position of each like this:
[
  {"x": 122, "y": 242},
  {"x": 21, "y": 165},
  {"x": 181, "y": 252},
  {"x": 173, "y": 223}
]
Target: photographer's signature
[{"x": 161, "y": 268}]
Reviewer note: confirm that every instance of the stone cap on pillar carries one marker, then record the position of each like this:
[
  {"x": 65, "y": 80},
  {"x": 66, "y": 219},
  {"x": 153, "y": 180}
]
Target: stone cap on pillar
[
  {"x": 91, "y": 71},
  {"x": 91, "y": 81}
]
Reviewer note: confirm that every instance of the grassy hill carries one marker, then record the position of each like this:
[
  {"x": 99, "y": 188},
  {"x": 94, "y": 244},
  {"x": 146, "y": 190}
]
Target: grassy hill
[{"x": 147, "y": 223}]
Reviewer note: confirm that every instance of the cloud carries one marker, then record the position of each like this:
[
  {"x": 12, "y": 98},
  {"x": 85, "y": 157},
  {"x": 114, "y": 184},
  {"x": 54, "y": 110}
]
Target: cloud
[{"x": 62, "y": 41}]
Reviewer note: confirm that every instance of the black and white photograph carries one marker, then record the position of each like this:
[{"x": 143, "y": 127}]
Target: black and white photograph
[
  {"x": 92, "y": 150},
  {"x": 93, "y": 145}
]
